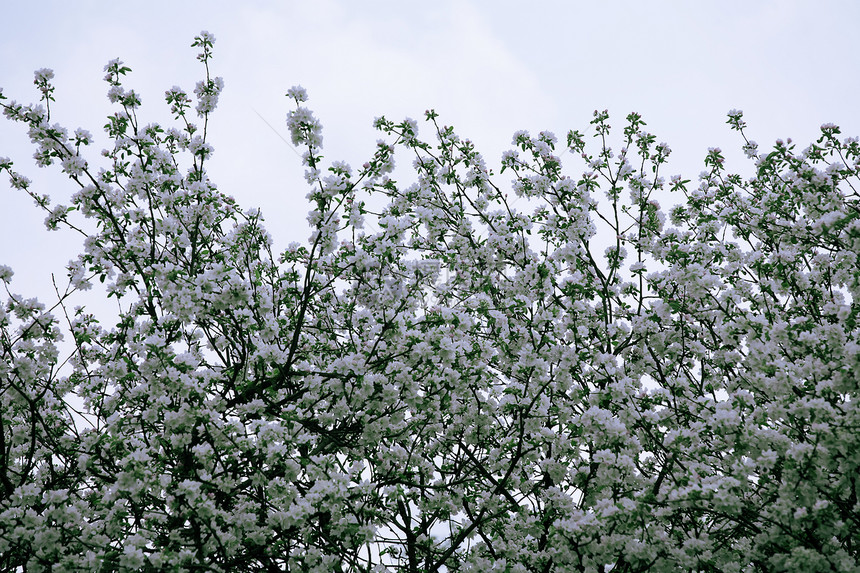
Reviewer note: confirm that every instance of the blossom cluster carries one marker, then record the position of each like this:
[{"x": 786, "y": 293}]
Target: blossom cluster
[{"x": 451, "y": 381}]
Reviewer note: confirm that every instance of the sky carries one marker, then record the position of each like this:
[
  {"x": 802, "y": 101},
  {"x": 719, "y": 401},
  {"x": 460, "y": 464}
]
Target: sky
[{"x": 488, "y": 67}]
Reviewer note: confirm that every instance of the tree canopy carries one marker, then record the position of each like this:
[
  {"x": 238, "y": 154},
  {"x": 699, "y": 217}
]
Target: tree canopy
[{"x": 443, "y": 377}]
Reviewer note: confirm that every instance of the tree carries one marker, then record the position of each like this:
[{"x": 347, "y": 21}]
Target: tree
[{"x": 447, "y": 383}]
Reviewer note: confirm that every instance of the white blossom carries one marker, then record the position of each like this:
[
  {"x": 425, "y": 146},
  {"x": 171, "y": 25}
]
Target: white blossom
[{"x": 441, "y": 377}]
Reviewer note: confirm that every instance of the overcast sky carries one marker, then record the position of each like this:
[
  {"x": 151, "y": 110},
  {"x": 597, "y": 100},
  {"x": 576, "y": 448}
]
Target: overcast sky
[{"x": 488, "y": 67}]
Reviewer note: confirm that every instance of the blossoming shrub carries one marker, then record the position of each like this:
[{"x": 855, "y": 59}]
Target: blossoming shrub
[{"x": 447, "y": 384}]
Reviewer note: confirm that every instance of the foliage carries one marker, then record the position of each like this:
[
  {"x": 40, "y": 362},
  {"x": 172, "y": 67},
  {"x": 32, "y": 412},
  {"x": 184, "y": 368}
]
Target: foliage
[{"x": 447, "y": 383}]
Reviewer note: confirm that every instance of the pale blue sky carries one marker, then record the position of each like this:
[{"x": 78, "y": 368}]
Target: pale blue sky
[{"x": 488, "y": 67}]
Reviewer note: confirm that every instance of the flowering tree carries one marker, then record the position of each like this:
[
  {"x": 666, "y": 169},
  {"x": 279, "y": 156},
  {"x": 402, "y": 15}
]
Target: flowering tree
[{"x": 446, "y": 383}]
